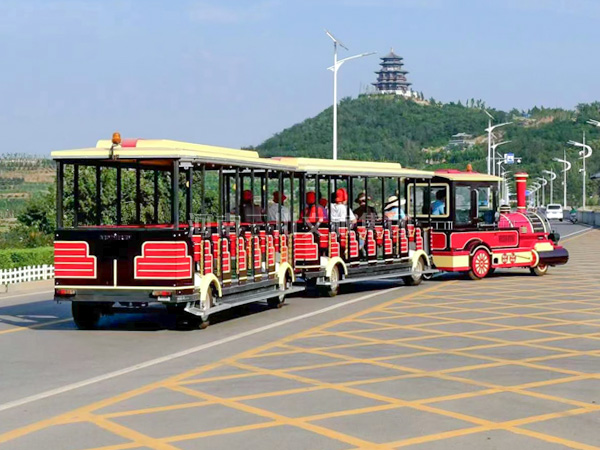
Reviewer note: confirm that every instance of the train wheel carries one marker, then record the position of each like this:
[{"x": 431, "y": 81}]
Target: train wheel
[
  {"x": 277, "y": 302},
  {"x": 334, "y": 282},
  {"x": 416, "y": 279},
  {"x": 539, "y": 270},
  {"x": 85, "y": 315},
  {"x": 480, "y": 265}
]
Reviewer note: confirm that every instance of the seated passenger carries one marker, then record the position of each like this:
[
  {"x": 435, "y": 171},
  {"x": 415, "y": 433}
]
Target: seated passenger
[
  {"x": 313, "y": 212},
  {"x": 273, "y": 211},
  {"x": 339, "y": 210},
  {"x": 323, "y": 203},
  {"x": 250, "y": 213},
  {"x": 392, "y": 210},
  {"x": 438, "y": 208},
  {"x": 364, "y": 212}
]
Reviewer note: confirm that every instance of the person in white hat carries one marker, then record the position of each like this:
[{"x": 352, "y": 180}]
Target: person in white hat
[{"x": 392, "y": 208}]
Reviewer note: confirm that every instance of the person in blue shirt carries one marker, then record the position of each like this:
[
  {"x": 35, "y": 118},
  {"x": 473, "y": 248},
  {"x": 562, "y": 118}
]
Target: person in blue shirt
[{"x": 438, "y": 208}]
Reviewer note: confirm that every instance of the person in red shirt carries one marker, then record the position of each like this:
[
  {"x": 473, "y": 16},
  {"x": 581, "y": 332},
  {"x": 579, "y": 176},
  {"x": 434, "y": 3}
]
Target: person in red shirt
[{"x": 313, "y": 212}]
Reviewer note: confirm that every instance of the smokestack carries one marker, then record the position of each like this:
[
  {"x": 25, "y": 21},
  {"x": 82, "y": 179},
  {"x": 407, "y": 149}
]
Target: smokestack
[{"x": 521, "y": 179}]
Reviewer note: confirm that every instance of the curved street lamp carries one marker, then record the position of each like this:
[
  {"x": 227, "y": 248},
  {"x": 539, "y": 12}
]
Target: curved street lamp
[
  {"x": 566, "y": 168},
  {"x": 552, "y": 178},
  {"x": 536, "y": 188},
  {"x": 594, "y": 122},
  {"x": 585, "y": 153},
  {"x": 336, "y": 65},
  {"x": 544, "y": 183},
  {"x": 494, "y": 147},
  {"x": 489, "y": 130}
]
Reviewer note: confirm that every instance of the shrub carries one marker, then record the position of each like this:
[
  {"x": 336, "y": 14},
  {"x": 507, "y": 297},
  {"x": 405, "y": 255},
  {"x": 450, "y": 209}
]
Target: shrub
[{"x": 17, "y": 257}]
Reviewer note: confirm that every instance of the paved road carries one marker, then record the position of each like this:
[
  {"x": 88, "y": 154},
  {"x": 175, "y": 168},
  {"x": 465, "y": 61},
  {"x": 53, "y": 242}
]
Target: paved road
[{"x": 512, "y": 361}]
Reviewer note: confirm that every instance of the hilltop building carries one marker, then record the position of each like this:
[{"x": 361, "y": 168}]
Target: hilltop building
[
  {"x": 461, "y": 141},
  {"x": 391, "y": 78}
]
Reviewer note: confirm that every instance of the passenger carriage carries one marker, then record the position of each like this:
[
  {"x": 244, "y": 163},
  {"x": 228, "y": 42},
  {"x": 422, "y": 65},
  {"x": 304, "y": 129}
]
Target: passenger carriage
[
  {"x": 332, "y": 248},
  {"x": 468, "y": 235},
  {"x": 145, "y": 222}
]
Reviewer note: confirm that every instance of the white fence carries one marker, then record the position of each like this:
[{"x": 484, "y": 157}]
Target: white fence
[{"x": 23, "y": 274}]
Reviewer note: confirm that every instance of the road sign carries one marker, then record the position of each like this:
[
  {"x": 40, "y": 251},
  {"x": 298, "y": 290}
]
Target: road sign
[{"x": 509, "y": 158}]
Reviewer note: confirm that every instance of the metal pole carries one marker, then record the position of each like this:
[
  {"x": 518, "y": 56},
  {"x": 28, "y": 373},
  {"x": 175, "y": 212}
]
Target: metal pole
[
  {"x": 565, "y": 179},
  {"x": 489, "y": 146},
  {"x": 583, "y": 172},
  {"x": 335, "y": 69}
]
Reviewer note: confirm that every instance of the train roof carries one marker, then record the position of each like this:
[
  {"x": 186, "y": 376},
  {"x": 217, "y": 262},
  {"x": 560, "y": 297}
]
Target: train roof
[
  {"x": 168, "y": 149},
  {"x": 457, "y": 175},
  {"x": 351, "y": 167}
]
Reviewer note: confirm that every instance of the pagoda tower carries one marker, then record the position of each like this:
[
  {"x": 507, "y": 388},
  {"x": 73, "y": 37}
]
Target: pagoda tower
[{"x": 391, "y": 78}]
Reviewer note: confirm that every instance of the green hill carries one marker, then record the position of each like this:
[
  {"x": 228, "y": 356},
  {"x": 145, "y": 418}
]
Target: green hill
[{"x": 390, "y": 128}]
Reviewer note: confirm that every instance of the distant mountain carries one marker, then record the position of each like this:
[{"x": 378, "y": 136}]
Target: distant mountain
[{"x": 416, "y": 134}]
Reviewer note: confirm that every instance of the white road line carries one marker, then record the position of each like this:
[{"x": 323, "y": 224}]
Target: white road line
[
  {"x": 25, "y": 295},
  {"x": 577, "y": 232},
  {"x": 154, "y": 362}
]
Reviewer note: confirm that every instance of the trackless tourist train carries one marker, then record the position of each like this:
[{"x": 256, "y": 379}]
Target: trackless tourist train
[
  {"x": 158, "y": 221},
  {"x": 469, "y": 235},
  {"x": 355, "y": 226},
  {"x": 200, "y": 229}
]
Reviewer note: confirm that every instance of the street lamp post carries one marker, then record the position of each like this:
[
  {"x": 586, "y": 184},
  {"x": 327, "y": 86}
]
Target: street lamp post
[
  {"x": 594, "y": 122},
  {"x": 489, "y": 129},
  {"x": 552, "y": 178},
  {"x": 566, "y": 168},
  {"x": 493, "y": 150},
  {"x": 336, "y": 65},
  {"x": 544, "y": 183},
  {"x": 585, "y": 153},
  {"x": 536, "y": 189}
]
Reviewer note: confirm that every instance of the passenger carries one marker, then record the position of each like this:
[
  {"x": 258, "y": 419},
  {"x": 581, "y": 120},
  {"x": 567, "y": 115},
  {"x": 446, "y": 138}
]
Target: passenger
[
  {"x": 392, "y": 210},
  {"x": 273, "y": 211},
  {"x": 438, "y": 208},
  {"x": 340, "y": 210},
  {"x": 313, "y": 212},
  {"x": 250, "y": 213},
  {"x": 323, "y": 203},
  {"x": 364, "y": 212}
]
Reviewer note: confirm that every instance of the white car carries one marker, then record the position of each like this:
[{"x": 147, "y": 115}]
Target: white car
[{"x": 554, "y": 211}]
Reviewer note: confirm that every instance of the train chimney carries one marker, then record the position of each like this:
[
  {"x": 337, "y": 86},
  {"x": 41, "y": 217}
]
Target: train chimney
[{"x": 521, "y": 179}]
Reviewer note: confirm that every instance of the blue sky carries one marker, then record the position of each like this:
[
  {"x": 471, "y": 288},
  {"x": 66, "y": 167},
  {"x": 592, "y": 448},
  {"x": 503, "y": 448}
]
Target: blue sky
[{"x": 233, "y": 73}]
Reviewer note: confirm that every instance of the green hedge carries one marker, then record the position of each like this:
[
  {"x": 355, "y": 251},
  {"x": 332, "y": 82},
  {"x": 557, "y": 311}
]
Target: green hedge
[{"x": 21, "y": 257}]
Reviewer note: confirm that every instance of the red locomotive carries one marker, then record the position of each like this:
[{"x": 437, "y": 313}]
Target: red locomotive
[{"x": 469, "y": 236}]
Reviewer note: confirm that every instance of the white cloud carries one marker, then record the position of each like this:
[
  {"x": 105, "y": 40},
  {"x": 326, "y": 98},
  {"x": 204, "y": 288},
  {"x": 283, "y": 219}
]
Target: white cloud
[{"x": 212, "y": 13}]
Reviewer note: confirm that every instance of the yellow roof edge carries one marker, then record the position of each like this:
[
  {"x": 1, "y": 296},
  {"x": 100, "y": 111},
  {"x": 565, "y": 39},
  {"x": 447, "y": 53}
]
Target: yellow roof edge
[{"x": 466, "y": 176}]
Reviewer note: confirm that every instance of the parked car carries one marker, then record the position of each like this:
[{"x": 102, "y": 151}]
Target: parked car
[{"x": 554, "y": 211}]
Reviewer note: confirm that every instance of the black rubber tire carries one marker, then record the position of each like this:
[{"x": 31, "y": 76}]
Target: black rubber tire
[
  {"x": 491, "y": 272},
  {"x": 277, "y": 302},
  {"x": 85, "y": 315},
  {"x": 415, "y": 280},
  {"x": 540, "y": 270}
]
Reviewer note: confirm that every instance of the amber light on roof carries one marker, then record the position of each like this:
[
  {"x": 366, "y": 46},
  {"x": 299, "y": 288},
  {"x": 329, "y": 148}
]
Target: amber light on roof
[{"x": 116, "y": 138}]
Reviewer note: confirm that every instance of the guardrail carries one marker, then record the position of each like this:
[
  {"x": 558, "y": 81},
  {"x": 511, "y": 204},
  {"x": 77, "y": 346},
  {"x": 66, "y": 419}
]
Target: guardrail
[
  {"x": 23, "y": 274},
  {"x": 589, "y": 217}
]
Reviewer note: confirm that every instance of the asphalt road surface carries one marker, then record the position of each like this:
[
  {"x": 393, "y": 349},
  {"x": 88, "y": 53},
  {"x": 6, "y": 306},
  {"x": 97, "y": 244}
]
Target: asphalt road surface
[{"x": 512, "y": 361}]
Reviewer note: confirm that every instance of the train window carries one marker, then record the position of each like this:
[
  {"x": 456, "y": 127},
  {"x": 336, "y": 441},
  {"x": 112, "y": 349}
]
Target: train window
[
  {"x": 424, "y": 201},
  {"x": 486, "y": 201},
  {"x": 463, "y": 205}
]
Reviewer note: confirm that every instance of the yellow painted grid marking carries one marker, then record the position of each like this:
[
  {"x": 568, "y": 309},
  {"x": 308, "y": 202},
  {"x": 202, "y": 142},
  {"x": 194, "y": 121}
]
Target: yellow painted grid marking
[{"x": 477, "y": 309}]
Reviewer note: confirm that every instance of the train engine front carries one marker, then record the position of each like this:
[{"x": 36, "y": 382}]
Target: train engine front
[{"x": 535, "y": 232}]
